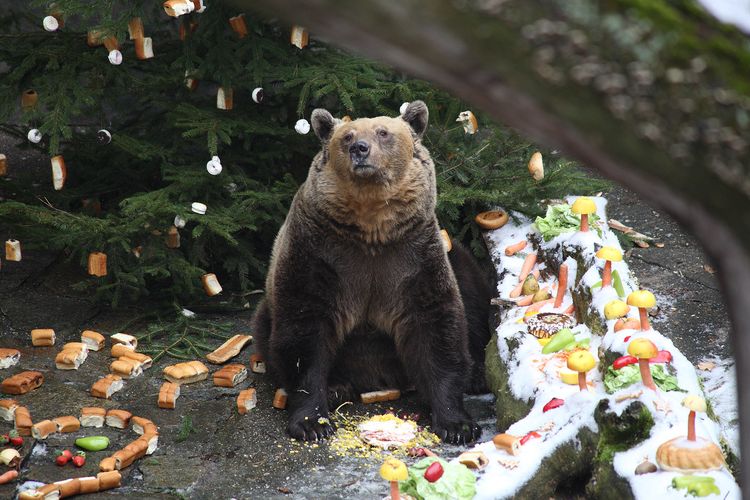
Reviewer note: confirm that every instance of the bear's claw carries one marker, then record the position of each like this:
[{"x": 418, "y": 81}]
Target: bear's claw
[
  {"x": 461, "y": 432},
  {"x": 311, "y": 428}
]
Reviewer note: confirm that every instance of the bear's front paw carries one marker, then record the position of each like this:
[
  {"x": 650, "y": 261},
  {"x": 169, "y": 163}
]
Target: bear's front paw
[
  {"x": 310, "y": 428},
  {"x": 460, "y": 430}
]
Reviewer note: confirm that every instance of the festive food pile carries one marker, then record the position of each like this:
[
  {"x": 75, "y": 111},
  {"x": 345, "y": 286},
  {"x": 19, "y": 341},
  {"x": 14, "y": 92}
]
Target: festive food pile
[{"x": 583, "y": 381}]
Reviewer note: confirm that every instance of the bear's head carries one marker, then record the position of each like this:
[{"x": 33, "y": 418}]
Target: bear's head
[{"x": 378, "y": 150}]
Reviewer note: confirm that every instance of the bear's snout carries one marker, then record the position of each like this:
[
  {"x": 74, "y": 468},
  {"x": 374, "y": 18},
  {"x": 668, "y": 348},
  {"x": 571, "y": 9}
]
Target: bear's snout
[{"x": 359, "y": 151}]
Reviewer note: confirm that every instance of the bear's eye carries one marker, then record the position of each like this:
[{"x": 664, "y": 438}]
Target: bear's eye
[
  {"x": 348, "y": 137},
  {"x": 383, "y": 133}
]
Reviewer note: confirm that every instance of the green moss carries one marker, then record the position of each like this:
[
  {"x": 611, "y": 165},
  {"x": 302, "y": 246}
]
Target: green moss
[
  {"x": 507, "y": 408},
  {"x": 733, "y": 461}
]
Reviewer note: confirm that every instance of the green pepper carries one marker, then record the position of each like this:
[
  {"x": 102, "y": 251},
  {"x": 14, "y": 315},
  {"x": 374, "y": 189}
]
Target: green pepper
[
  {"x": 617, "y": 283},
  {"x": 93, "y": 443},
  {"x": 704, "y": 489},
  {"x": 699, "y": 486},
  {"x": 559, "y": 341},
  {"x": 687, "y": 481},
  {"x": 578, "y": 345}
]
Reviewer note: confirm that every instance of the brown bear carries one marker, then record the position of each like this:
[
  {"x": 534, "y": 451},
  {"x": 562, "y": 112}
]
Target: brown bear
[{"x": 361, "y": 294}]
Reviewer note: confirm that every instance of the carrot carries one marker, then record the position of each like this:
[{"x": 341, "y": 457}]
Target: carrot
[
  {"x": 516, "y": 292},
  {"x": 527, "y": 265},
  {"x": 536, "y": 306},
  {"x": 570, "y": 309},
  {"x": 515, "y": 247},
  {"x": 562, "y": 285},
  {"x": 525, "y": 300},
  {"x": 8, "y": 476}
]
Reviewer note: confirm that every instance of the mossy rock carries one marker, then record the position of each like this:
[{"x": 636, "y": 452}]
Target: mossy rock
[{"x": 507, "y": 407}]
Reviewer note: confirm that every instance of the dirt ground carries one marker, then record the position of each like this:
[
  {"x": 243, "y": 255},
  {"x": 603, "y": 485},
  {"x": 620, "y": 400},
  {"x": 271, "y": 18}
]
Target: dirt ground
[{"x": 207, "y": 450}]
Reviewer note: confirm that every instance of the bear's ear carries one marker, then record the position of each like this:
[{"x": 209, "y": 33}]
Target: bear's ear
[
  {"x": 416, "y": 115},
  {"x": 322, "y": 124}
]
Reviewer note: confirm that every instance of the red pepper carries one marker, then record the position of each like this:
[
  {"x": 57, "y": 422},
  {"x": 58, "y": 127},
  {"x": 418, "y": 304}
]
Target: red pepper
[
  {"x": 662, "y": 357},
  {"x": 624, "y": 361},
  {"x": 626, "y": 338},
  {"x": 532, "y": 434},
  {"x": 434, "y": 472},
  {"x": 553, "y": 403}
]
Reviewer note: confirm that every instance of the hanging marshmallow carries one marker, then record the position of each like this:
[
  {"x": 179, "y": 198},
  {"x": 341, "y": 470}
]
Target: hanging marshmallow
[
  {"x": 50, "y": 23},
  {"x": 135, "y": 28},
  {"x": 403, "y": 107},
  {"x": 144, "y": 48},
  {"x": 198, "y": 208},
  {"x": 225, "y": 98},
  {"x": 258, "y": 94},
  {"x": 28, "y": 99},
  {"x": 13, "y": 250},
  {"x": 299, "y": 37},
  {"x": 103, "y": 137},
  {"x": 177, "y": 8},
  {"x": 115, "y": 57},
  {"x": 179, "y": 221},
  {"x": 3, "y": 165},
  {"x": 214, "y": 166},
  {"x": 98, "y": 264},
  {"x": 211, "y": 284},
  {"x": 238, "y": 25},
  {"x": 34, "y": 136},
  {"x": 469, "y": 121},
  {"x": 173, "y": 237},
  {"x": 302, "y": 126},
  {"x": 59, "y": 172}
]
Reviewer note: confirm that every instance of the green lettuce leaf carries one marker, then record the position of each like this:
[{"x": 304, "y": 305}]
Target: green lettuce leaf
[
  {"x": 614, "y": 380},
  {"x": 559, "y": 219},
  {"x": 457, "y": 482}
]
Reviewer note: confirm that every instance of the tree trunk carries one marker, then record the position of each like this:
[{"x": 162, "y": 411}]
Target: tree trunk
[{"x": 654, "y": 95}]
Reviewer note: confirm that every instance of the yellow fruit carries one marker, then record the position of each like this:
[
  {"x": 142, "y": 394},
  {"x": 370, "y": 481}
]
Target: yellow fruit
[
  {"x": 615, "y": 309},
  {"x": 568, "y": 376},
  {"x": 543, "y": 342}
]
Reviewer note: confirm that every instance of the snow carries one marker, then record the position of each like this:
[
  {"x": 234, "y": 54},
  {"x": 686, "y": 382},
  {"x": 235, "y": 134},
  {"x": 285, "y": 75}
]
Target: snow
[
  {"x": 735, "y": 12},
  {"x": 534, "y": 377}
]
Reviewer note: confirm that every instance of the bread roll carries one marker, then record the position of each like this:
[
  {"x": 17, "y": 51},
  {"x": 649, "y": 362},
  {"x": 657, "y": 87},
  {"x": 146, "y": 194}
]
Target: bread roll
[
  {"x": 144, "y": 48},
  {"x": 152, "y": 439},
  {"x": 511, "y": 444},
  {"x": 109, "y": 480},
  {"x": 228, "y": 349},
  {"x": 59, "y": 172},
  {"x": 168, "y": 395},
  {"x": 117, "y": 418},
  {"x": 122, "y": 351},
  {"x": 124, "y": 338},
  {"x": 379, "y": 396},
  {"x": 211, "y": 283},
  {"x": 186, "y": 373},
  {"x": 230, "y": 375},
  {"x": 72, "y": 356},
  {"x": 8, "y": 409},
  {"x": 9, "y": 357},
  {"x": 93, "y": 340},
  {"x": 140, "y": 424},
  {"x": 42, "y": 429},
  {"x": 106, "y": 465},
  {"x": 23, "y": 421},
  {"x": 92, "y": 416},
  {"x": 69, "y": 487},
  {"x": 42, "y": 337},
  {"x": 88, "y": 484},
  {"x": 13, "y": 250},
  {"x": 106, "y": 386},
  {"x": 68, "y": 423},
  {"x": 246, "y": 400},
  {"x": 257, "y": 365},
  {"x": 279, "y": 399},
  {"x": 21, "y": 383},
  {"x": 126, "y": 368}
]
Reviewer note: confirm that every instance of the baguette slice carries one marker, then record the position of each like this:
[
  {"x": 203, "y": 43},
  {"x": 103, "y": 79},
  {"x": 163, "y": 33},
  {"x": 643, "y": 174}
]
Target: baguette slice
[
  {"x": 68, "y": 423},
  {"x": 230, "y": 375},
  {"x": 106, "y": 465},
  {"x": 59, "y": 172},
  {"x": 121, "y": 351},
  {"x": 168, "y": 395},
  {"x": 21, "y": 383},
  {"x": 379, "y": 396},
  {"x": 142, "y": 425},
  {"x": 93, "y": 340},
  {"x": 124, "y": 338},
  {"x": 92, "y": 416},
  {"x": 508, "y": 442},
  {"x": 41, "y": 430},
  {"x": 130, "y": 453},
  {"x": 106, "y": 386},
  {"x": 152, "y": 439},
  {"x": 70, "y": 358},
  {"x": 117, "y": 418},
  {"x": 69, "y": 487},
  {"x": 279, "y": 399},
  {"x": 8, "y": 409},
  {"x": 109, "y": 480},
  {"x": 9, "y": 357},
  {"x": 186, "y": 373},
  {"x": 257, "y": 365},
  {"x": 23, "y": 421},
  {"x": 42, "y": 337},
  {"x": 144, "y": 48},
  {"x": 126, "y": 368},
  {"x": 228, "y": 349},
  {"x": 88, "y": 484},
  {"x": 246, "y": 400},
  {"x": 46, "y": 492},
  {"x": 13, "y": 250}
]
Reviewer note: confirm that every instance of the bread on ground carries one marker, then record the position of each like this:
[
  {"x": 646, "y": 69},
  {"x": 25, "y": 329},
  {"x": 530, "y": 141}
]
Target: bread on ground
[
  {"x": 186, "y": 373},
  {"x": 257, "y": 365},
  {"x": 107, "y": 464},
  {"x": 230, "y": 375},
  {"x": 94, "y": 340},
  {"x": 71, "y": 357},
  {"x": 228, "y": 349},
  {"x": 106, "y": 386},
  {"x": 21, "y": 383},
  {"x": 109, "y": 480},
  {"x": 168, "y": 395},
  {"x": 130, "y": 453},
  {"x": 8, "y": 409},
  {"x": 152, "y": 439},
  {"x": 126, "y": 368},
  {"x": 46, "y": 492},
  {"x": 92, "y": 416},
  {"x": 9, "y": 357},
  {"x": 279, "y": 399},
  {"x": 88, "y": 484},
  {"x": 42, "y": 337},
  {"x": 69, "y": 487},
  {"x": 122, "y": 351},
  {"x": 41, "y": 430},
  {"x": 125, "y": 339},
  {"x": 117, "y": 418},
  {"x": 23, "y": 421},
  {"x": 379, "y": 396},
  {"x": 246, "y": 400},
  {"x": 143, "y": 426},
  {"x": 68, "y": 423}
]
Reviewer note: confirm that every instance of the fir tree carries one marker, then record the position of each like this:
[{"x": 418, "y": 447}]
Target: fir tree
[{"x": 122, "y": 197}]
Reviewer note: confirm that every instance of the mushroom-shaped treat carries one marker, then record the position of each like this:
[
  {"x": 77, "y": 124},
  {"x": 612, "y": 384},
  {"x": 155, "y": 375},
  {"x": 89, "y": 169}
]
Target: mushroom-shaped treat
[
  {"x": 609, "y": 255},
  {"x": 644, "y": 349},
  {"x": 581, "y": 361},
  {"x": 584, "y": 207},
  {"x": 394, "y": 470},
  {"x": 691, "y": 454},
  {"x": 491, "y": 220},
  {"x": 694, "y": 404},
  {"x": 643, "y": 300},
  {"x": 615, "y": 309}
]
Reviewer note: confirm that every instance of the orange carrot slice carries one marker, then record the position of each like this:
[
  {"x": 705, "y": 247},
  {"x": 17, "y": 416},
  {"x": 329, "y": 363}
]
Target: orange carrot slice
[
  {"x": 525, "y": 300},
  {"x": 536, "y": 306},
  {"x": 515, "y": 247},
  {"x": 562, "y": 284},
  {"x": 570, "y": 309},
  {"x": 528, "y": 264}
]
